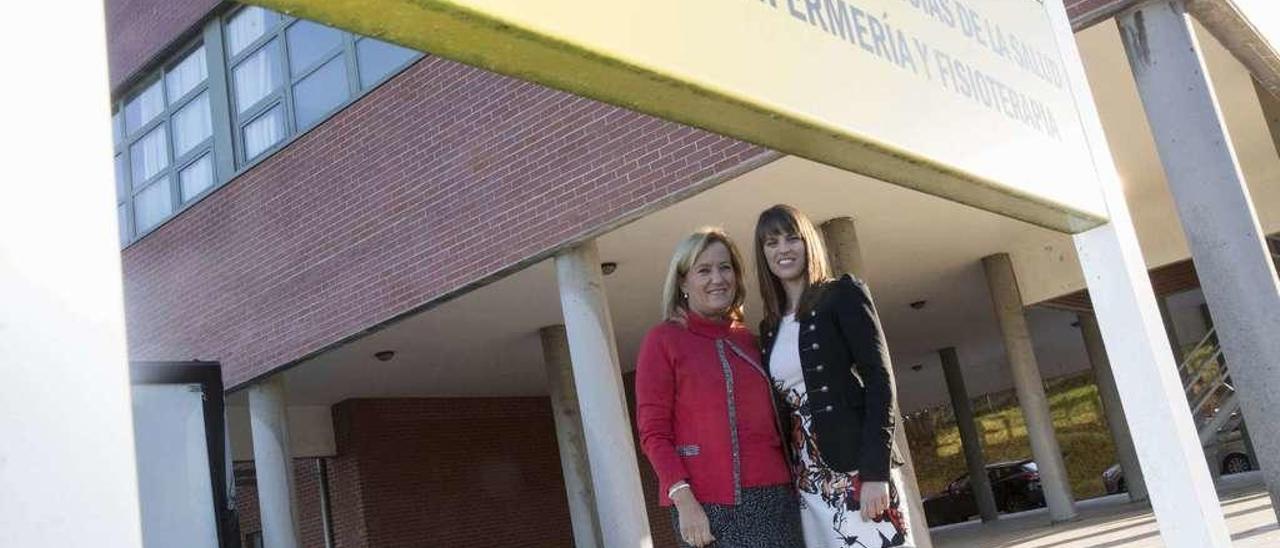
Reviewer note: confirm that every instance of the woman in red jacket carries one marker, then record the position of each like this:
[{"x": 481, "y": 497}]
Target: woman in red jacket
[{"x": 705, "y": 408}]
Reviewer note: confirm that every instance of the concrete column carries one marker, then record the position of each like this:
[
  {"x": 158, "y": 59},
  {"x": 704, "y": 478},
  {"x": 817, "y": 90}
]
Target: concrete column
[
  {"x": 573, "y": 446},
  {"x": 1007, "y": 301},
  {"x": 1230, "y": 253},
  {"x": 272, "y": 464},
  {"x": 1112, "y": 407},
  {"x": 1185, "y": 503},
  {"x": 606, "y": 426},
  {"x": 845, "y": 253},
  {"x": 970, "y": 438}
]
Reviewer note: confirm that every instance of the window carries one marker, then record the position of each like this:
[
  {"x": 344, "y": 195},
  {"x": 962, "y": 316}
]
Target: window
[
  {"x": 264, "y": 77},
  {"x": 379, "y": 59},
  {"x": 246, "y": 26},
  {"x": 289, "y": 74},
  {"x": 264, "y": 132},
  {"x": 161, "y": 131},
  {"x": 320, "y": 93}
]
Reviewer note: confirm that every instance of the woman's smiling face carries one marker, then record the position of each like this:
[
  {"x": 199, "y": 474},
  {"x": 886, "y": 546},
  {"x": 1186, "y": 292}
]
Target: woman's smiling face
[
  {"x": 785, "y": 254},
  {"x": 711, "y": 283}
]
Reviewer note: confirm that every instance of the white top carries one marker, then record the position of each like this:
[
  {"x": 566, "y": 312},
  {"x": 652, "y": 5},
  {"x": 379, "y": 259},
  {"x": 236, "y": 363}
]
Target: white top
[{"x": 784, "y": 359}]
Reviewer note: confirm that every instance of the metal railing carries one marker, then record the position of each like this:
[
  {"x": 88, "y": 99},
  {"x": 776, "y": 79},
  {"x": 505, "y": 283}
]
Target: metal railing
[{"x": 1207, "y": 384}]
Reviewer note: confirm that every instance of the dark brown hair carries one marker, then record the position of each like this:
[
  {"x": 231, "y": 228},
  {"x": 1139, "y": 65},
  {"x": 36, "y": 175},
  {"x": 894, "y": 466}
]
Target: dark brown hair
[{"x": 781, "y": 220}]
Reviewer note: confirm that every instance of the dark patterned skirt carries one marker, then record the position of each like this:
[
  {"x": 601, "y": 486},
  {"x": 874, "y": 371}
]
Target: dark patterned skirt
[{"x": 768, "y": 517}]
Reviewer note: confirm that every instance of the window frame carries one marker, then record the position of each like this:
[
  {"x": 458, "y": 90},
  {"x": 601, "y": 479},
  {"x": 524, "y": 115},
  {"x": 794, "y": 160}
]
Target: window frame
[
  {"x": 226, "y": 142},
  {"x": 125, "y": 140},
  {"x": 285, "y": 94}
]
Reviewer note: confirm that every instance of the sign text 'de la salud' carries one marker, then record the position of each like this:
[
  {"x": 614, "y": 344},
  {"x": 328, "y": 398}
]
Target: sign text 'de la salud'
[{"x": 964, "y": 99}]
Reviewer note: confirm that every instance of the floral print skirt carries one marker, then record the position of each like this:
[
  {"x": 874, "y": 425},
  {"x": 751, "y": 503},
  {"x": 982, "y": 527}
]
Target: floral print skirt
[{"x": 830, "y": 511}]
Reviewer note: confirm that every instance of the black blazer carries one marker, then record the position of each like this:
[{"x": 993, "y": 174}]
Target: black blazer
[{"x": 849, "y": 380}]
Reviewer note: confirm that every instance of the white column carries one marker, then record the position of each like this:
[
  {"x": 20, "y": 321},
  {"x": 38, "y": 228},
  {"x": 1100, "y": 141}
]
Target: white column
[
  {"x": 1185, "y": 504},
  {"x": 67, "y": 463},
  {"x": 1112, "y": 407},
  {"x": 606, "y": 426},
  {"x": 1231, "y": 257},
  {"x": 573, "y": 446},
  {"x": 845, "y": 253},
  {"x": 272, "y": 465},
  {"x": 1025, "y": 371}
]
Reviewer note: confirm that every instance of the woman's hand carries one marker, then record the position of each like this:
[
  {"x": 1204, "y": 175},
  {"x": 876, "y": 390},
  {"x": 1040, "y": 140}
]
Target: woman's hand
[
  {"x": 694, "y": 527},
  {"x": 875, "y": 499}
]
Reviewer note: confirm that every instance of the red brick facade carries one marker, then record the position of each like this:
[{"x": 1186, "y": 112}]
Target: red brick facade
[
  {"x": 307, "y": 497},
  {"x": 441, "y": 472},
  {"x": 361, "y": 219}
]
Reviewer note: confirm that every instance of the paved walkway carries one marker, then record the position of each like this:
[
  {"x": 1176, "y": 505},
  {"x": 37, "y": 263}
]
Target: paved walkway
[{"x": 1113, "y": 521}]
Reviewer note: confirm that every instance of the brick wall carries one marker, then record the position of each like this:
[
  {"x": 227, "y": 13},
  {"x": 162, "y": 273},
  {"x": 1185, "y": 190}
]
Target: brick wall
[
  {"x": 453, "y": 472},
  {"x": 307, "y": 488},
  {"x": 363, "y": 218},
  {"x": 442, "y": 472}
]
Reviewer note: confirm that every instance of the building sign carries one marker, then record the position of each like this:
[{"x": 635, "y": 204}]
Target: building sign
[{"x": 963, "y": 99}]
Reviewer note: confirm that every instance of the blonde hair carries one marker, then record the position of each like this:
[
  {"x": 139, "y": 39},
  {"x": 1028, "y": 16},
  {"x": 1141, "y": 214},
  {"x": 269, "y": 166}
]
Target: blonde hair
[
  {"x": 674, "y": 303},
  {"x": 781, "y": 220}
]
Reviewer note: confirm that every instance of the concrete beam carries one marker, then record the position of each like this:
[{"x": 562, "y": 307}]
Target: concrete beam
[
  {"x": 1025, "y": 370},
  {"x": 573, "y": 445},
  {"x": 1226, "y": 241},
  {"x": 1232, "y": 27},
  {"x": 970, "y": 436},
  {"x": 606, "y": 426},
  {"x": 1105, "y": 379},
  {"x": 273, "y": 465}
]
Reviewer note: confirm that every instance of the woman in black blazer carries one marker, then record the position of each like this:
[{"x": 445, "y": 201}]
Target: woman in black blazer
[{"x": 827, "y": 357}]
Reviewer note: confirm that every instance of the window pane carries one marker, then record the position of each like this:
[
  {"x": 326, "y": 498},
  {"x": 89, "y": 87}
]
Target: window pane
[
  {"x": 144, "y": 107},
  {"x": 196, "y": 177},
  {"x": 122, "y": 220},
  {"x": 308, "y": 43},
  {"x": 116, "y": 130},
  {"x": 264, "y": 132},
  {"x": 378, "y": 59},
  {"x": 248, "y": 25},
  {"x": 152, "y": 205},
  {"x": 258, "y": 76},
  {"x": 149, "y": 156},
  {"x": 319, "y": 93},
  {"x": 186, "y": 75},
  {"x": 191, "y": 125},
  {"x": 121, "y": 192}
]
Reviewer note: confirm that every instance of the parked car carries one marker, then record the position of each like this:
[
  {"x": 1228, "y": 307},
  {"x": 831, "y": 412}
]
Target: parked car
[
  {"x": 1015, "y": 484},
  {"x": 1231, "y": 455}
]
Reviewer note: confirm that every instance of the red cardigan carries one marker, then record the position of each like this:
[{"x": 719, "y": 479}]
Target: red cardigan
[{"x": 684, "y": 418}]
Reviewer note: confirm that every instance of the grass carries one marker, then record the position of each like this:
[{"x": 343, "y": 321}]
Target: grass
[{"x": 1078, "y": 421}]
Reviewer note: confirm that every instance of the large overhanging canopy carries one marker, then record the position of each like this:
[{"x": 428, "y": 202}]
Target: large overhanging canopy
[{"x": 964, "y": 99}]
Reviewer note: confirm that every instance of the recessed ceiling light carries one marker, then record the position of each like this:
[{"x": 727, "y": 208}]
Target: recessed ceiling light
[
  {"x": 385, "y": 355},
  {"x": 608, "y": 268},
  {"x": 918, "y": 304}
]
